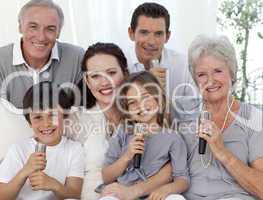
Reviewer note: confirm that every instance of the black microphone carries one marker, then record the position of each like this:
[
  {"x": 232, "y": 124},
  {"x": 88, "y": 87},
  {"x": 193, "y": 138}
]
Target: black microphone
[
  {"x": 138, "y": 130},
  {"x": 205, "y": 115},
  {"x": 137, "y": 160},
  {"x": 202, "y": 146}
]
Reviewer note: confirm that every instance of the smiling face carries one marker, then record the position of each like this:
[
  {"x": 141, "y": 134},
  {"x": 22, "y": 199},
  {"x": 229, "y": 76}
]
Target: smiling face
[
  {"x": 149, "y": 36},
  {"x": 213, "y": 78},
  {"x": 39, "y": 27},
  {"x": 104, "y": 76},
  {"x": 142, "y": 105},
  {"x": 47, "y": 126}
]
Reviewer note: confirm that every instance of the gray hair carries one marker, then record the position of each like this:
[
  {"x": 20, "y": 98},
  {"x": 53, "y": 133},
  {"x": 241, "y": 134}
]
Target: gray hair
[
  {"x": 219, "y": 47},
  {"x": 42, "y": 3}
]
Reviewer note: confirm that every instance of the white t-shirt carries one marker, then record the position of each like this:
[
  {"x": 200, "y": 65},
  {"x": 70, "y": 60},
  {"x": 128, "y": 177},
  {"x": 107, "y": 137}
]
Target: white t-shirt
[{"x": 63, "y": 160}]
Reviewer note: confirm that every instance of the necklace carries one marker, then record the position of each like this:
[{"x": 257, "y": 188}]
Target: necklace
[
  {"x": 227, "y": 114},
  {"x": 208, "y": 163}
]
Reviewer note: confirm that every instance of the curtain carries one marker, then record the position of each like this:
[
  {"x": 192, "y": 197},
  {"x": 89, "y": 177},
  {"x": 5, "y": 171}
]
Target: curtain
[{"x": 90, "y": 21}]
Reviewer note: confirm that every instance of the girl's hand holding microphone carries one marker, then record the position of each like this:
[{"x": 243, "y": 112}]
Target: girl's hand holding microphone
[{"x": 136, "y": 146}]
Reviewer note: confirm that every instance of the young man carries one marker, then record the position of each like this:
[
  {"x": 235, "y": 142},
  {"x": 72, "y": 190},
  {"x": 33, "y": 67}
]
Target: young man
[
  {"x": 38, "y": 56},
  {"x": 149, "y": 29},
  {"x": 56, "y": 174}
]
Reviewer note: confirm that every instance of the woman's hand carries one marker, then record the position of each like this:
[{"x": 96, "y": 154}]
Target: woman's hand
[
  {"x": 212, "y": 134},
  {"x": 136, "y": 146}
]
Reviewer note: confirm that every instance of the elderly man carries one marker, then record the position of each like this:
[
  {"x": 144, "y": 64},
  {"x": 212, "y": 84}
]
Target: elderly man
[{"x": 38, "y": 56}]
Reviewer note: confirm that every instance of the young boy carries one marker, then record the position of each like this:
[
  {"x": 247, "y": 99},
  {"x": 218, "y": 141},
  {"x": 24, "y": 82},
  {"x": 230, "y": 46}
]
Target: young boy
[{"x": 56, "y": 174}]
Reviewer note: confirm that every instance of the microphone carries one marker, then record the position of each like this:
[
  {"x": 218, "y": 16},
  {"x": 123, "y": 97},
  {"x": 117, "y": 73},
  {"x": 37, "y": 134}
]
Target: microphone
[
  {"x": 204, "y": 115},
  {"x": 137, "y": 161},
  {"x": 155, "y": 63},
  {"x": 41, "y": 148},
  {"x": 138, "y": 130}
]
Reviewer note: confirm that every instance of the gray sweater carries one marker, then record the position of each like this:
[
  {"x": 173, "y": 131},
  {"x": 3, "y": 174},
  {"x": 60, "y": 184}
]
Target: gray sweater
[{"x": 66, "y": 70}]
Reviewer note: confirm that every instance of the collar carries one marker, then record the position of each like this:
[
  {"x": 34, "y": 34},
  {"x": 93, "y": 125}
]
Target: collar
[
  {"x": 136, "y": 62},
  {"x": 133, "y": 56},
  {"x": 61, "y": 142},
  {"x": 18, "y": 58}
]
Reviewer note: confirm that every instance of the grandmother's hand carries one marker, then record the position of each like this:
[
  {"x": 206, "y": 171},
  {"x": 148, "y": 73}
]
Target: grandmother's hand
[{"x": 214, "y": 139}]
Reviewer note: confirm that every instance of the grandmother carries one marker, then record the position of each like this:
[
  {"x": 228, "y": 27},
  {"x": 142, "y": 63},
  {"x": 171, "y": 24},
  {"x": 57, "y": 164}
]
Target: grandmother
[{"x": 232, "y": 166}]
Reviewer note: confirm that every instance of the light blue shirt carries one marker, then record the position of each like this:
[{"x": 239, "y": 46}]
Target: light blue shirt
[{"x": 159, "y": 149}]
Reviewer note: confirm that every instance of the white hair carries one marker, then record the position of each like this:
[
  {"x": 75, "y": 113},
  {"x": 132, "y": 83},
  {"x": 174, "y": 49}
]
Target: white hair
[
  {"x": 219, "y": 47},
  {"x": 42, "y": 3}
]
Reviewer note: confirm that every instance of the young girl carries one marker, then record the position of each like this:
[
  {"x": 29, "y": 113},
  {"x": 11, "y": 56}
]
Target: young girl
[{"x": 142, "y": 101}]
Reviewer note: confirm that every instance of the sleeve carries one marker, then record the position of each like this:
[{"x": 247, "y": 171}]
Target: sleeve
[
  {"x": 11, "y": 165},
  {"x": 114, "y": 151},
  {"x": 178, "y": 154},
  {"x": 79, "y": 73},
  {"x": 77, "y": 164},
  {"x": 189, "y": 89},
  {"x": 3, "y": 92},
  {"x": 255, "y": 128},
  {"x": 1, "y": 76}
]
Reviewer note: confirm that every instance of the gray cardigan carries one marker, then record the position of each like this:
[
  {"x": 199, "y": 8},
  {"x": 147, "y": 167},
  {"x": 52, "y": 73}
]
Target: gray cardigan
[{"x": 66, "y": 70}]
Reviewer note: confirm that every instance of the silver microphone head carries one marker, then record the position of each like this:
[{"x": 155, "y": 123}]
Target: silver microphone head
[
  {"x": 205, "y": 115},
  {"x": 40, "y": 147},
  {"x": 155, "y": 63},
  {"x": 140, "y": 129}
]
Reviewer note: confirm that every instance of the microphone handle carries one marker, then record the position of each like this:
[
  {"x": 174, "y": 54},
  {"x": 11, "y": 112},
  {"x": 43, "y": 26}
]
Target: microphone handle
[
  {"x": 202, "y": 146},
  {"x": 137, "y": 161}
]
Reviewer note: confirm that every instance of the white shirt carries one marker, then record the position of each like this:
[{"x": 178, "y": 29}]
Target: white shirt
[
  {"x": 64, "y": 160},
  {"x": 176, "y": 65},
  {"x": 89, "y": 128},
  {"x": 18, "y": 59}
]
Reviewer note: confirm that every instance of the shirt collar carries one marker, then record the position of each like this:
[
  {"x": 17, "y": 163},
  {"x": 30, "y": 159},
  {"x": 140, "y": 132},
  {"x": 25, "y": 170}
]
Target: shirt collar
[
  {"x": 135, "y": 60},
  {"x": 18, "y": 58},
  {"x": 134, "y": 56},
  {"x": 61, "y": 142}
]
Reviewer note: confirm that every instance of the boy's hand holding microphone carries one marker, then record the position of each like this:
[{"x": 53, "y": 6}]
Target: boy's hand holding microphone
[{"x": 37, "y": 160}]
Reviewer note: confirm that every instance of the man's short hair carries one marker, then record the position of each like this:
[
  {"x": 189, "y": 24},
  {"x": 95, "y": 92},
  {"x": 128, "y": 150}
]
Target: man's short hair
[
  {"x": 153, "y": 10},
  {"x": 42, "y": 3},
  {"x": 43, "y": 96}
]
